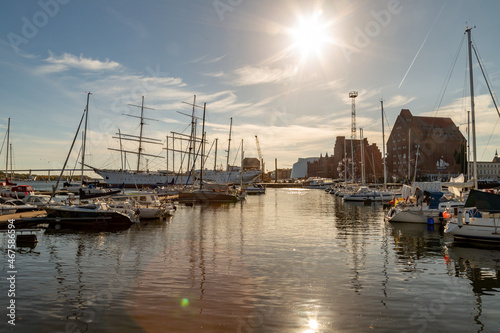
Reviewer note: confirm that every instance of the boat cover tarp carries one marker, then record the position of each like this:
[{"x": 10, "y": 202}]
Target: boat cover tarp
[
  {"x": 484, "y": 201},
  {"x": 435, "y": 198},
  {"x": 427, "y": 186}
]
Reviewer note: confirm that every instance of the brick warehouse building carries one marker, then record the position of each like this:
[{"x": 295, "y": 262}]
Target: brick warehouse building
[
  {"x": 440, "y": 145},
  {"x": 373, "y": 159},
  {"x": 321, "y": 167}
]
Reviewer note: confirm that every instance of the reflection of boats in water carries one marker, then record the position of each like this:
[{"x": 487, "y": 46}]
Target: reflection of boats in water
[
  {"x": 480, "y": 265},
  {"x": 416, "y": 239}
]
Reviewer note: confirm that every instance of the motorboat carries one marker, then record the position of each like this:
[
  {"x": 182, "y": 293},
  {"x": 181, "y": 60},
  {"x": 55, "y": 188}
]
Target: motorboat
[
  {"x": 97, "y": 214},
  {"x": 12, "y": 190},
  {"x": 7, "y": 209},
  {"x": 255, "y": 189},
  {"x": 39, "y": 200},
  {"x": 318, "y": 183},
  {"x": 20, "y": 206},
  {"x": 146, "y": 205},
  {"x": 210, "y": 193}
]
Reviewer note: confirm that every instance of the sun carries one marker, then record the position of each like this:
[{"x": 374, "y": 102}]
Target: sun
[{"x": 310, "y": 35}]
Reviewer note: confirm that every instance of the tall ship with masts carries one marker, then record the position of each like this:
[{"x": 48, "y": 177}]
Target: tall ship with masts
[{"x": 138, "y": 178}]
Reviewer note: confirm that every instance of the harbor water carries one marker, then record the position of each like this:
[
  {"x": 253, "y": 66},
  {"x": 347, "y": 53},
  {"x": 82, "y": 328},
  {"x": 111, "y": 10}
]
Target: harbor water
[{"x": 292, "y": 260}]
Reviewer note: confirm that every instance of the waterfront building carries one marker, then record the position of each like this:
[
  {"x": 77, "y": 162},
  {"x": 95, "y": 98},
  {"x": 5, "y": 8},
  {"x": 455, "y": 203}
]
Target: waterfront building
[
  {"x": 321, "y": 167},
  {"x": 489, "y": 170},
  {"x": 372, "y": 160},
  {"x": 428, "y": 148},
  {"x": 299, "y": 168},
  {"x": 251, "y": 163}
]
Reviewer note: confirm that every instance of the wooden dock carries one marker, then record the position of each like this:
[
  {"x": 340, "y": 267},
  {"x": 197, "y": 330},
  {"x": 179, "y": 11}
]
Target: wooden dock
[{"x": 19, "y": 218}]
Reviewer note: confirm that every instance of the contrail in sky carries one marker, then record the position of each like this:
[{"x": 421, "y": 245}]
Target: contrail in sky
[{"x": 421, "y": 46}]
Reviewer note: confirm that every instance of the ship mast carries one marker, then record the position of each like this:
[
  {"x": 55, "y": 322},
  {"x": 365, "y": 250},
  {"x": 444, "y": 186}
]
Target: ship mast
[
  {"x": 85, "y": 136},
  {"x": 229, "y": 143},
  {"x": 383, "y": 144},
  {"x": 473, "y": 114},
  {"x": 141, "y": 139},
  {"x": 7, "y": 156}
]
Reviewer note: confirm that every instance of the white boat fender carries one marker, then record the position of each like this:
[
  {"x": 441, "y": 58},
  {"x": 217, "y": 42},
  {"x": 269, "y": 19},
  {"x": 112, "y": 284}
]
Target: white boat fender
[
  {"x": 460, "y": 219},
  {"x": 467, "y": 218}
]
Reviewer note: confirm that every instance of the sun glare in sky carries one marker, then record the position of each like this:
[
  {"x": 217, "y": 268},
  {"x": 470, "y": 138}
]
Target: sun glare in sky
[{"x": 310, "y": 35}]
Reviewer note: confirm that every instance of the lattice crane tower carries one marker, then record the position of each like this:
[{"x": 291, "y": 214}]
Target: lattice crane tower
[{"x": 353, "y": 95}]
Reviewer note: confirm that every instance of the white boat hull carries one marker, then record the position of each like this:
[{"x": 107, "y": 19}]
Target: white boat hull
[
  {"x": 366, "y": 197},
  {"x": 229, "y": 177},
  {"x": 414, "y": 216},
  {"x": 132, "y": 179},
  {"x": 480, "y": 229}
]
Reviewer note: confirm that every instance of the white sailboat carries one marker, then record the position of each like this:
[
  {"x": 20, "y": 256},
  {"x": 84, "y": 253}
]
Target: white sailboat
[
  {"x": 98, "y": 214},
  {"x": 232, "y": 174},
  {"x": 480, "y": 220}
]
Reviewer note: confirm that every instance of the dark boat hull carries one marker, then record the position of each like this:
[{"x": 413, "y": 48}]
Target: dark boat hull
[{"x": 86, "y": 218}]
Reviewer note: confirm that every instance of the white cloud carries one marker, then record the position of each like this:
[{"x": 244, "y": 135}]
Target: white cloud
[
  {"x": 206, "y": 60},
  {"x": 398, "y": 101},
  {"x": 66, "y": 61},
  {"x": 215, "y": 74},
  {"x": 248, "y": 75}
]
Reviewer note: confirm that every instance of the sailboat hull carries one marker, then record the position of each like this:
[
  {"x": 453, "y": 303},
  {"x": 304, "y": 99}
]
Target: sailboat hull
[{"x": 483, "y": 229}]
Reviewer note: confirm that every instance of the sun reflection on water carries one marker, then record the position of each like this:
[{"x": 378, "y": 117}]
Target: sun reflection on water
[{"x": 313, "y": 326}]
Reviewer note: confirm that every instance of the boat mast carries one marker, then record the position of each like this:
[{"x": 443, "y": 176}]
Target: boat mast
[
  {"x": 361, "y": 143},
  {"x": 471, "y": 75},
  {"x": 229, "y": 143},
  {"x": 202, "y": 163},
  {"x": 241, "y": 169},
  {"x": 54, "y": 188},
  {"x": 140, "y": 136},
  {"x": 383, "y": 144},
  {"x": 468, "y": 145},
  {"x": 192, "y": 147},
  {"x": 7, "y": 156},
  {"x": 85, "y": 136},
  {"x": 409, "y": 153},
  {"x": 215, "y": 159}
]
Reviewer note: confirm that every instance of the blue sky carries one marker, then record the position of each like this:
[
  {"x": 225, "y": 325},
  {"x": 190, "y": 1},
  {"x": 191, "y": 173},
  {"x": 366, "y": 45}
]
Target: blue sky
[{"x": 249, "y": 60}]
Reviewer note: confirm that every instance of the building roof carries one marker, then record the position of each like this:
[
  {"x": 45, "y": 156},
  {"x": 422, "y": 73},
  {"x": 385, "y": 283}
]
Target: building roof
[{"x": 430, "y": 125}]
